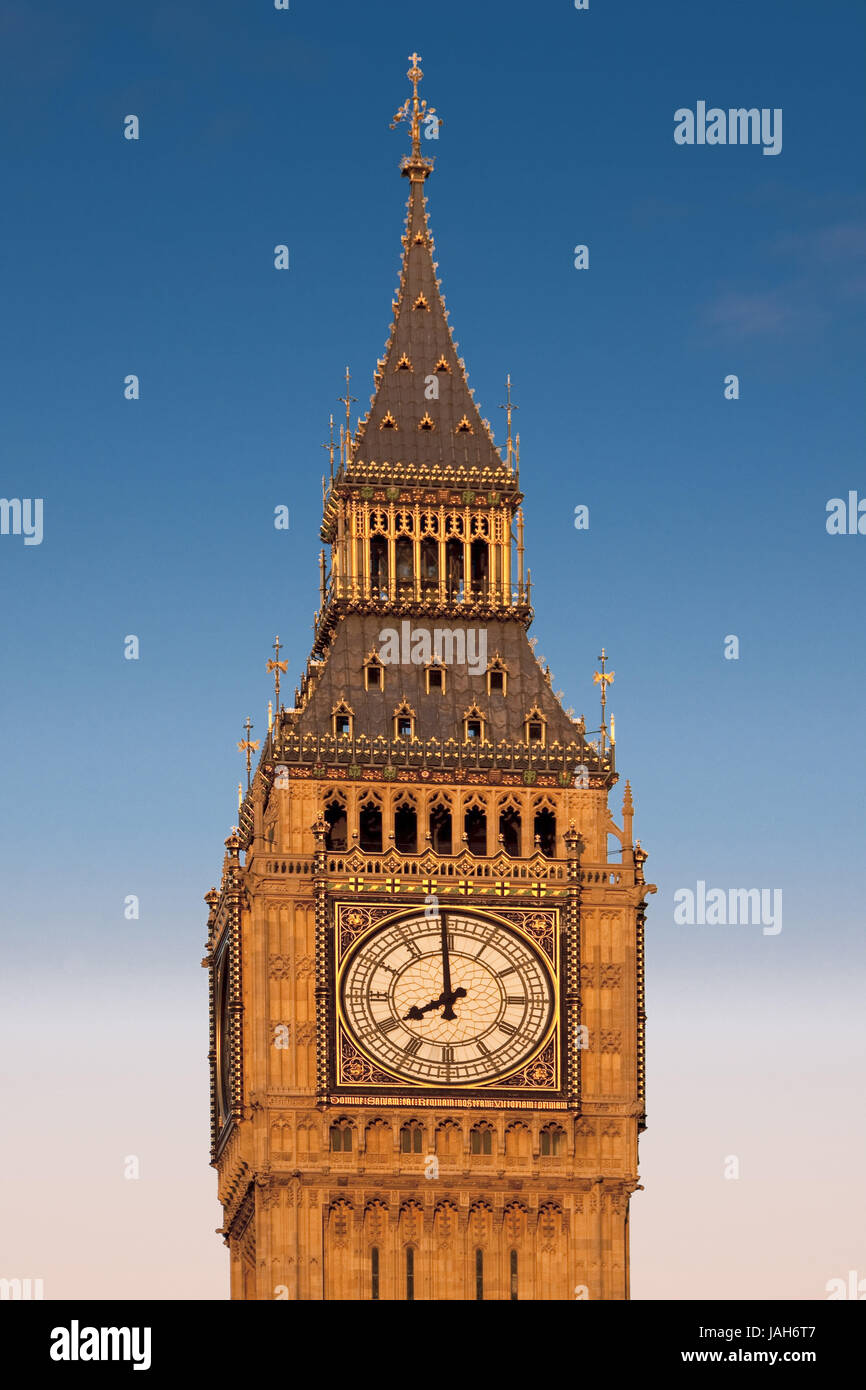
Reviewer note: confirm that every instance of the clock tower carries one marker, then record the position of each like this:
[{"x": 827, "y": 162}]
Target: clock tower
[{"x": 426, "y": 962}]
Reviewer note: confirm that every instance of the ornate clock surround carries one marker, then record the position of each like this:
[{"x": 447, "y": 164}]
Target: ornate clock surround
[{"x": 355, "y": 1076}]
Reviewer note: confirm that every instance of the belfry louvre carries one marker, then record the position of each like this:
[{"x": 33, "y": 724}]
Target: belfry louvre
[{"x": 427, "y": 1008}]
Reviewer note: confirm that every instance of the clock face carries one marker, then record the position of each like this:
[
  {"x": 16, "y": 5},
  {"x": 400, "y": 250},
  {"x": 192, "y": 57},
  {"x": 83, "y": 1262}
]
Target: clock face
[{"x": 447, "y": 1001}]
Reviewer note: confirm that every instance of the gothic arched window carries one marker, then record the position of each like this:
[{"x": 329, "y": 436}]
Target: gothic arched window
[
  {"x": 335, "y": 819},
  {"x": 454, "y": 567},
  {"x": 370, "y": 827},
  {"x": 509, "y": 829},
  {"x": 479, "y": 558},
  {"x": 440, "y": 829},
  {"x": 481, "y": 1140},
  {"x": 545, "y": 831},
  {"x": 552, "y": 1141},
  {"x": 411, "y": 1138},
  {"x": 341, "y": 1137},
  {"x": 475, "y": 825},
  {"x": 429, "y": 565},
  {"x": 379, "y": 566},
  {"x": 406, "y": 828},
  {"x": 403, "y": 562}
]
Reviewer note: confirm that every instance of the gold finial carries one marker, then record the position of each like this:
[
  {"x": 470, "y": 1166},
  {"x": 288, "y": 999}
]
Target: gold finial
[
  {"x": 240, "y": 797},
  {"x": 510, "y": 407},
  {"x": 249, "y": 746},
  {"x": 270, "y": 716},
  {"x": 330, "y": 445},
  {"x": 277, "y": 666},
  {"x": 347, "y": 401},
  {"x": 413, "y": 110},
  {"x": 604, "y": 679},
  {"x": 347, "y": 438}
]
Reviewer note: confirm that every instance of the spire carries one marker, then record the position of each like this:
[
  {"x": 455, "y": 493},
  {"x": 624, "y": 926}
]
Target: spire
[{"x": 422, "y": 413}]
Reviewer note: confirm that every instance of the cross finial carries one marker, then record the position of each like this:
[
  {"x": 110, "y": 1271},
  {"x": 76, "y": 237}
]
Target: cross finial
[
  {"x": 249, "y": 746},
  {"x": 604, "y": 679},
  {"x": 347, "y": 401},
  {"x": 277, "y": 666},
  {"x": 413, "y": 110},
  {"x": 509, "y": 407}
]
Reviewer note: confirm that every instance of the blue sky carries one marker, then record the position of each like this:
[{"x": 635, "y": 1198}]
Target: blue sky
[{"x": 706, "y": 516}]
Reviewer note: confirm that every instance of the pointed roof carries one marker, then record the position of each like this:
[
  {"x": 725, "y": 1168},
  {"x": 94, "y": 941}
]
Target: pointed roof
[{"x": 422, "y": 411}]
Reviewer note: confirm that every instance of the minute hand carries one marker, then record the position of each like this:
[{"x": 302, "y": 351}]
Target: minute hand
[{"x": 448, "y": 997}]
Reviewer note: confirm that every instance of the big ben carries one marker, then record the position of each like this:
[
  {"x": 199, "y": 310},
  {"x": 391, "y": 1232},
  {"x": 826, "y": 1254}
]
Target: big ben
[{"x": 426, "y": 963}]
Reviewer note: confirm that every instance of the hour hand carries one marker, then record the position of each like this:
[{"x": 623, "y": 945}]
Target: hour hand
[
  {"x": 445, "y": 1002},
  {"x": 417, "y": 1013}
]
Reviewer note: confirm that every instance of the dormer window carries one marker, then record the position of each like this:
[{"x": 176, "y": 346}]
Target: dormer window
[
  {"x": 404, "y": 721},
  {"x": 404, "y": 365},
  {"x": 421, "y": 303},
  {"x": 435, "y": 680},
  {"x": 497, "y": 677},
  {"x": 427, "y": 423},
  {"x": 342, "y": 720},
  {"x": 388, "y": 422},
  {"x": 374, "y": 673},
  {"x": 535, "y": 727},
  {"x": 442, "y": 365},
  {"x": 464, "y": 426},
  {"x": 473, "y": 725}
]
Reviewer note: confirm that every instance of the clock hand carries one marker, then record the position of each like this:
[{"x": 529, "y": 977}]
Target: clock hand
[
  {"x": 444, "y": 999},
  {"x": 447, "y": 995},
  {"x": 417, "y": 1013}
]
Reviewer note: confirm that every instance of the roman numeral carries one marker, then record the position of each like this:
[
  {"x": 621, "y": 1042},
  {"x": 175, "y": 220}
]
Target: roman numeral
[
  {"x": 409, "y": 944},
  {"x": 507, "y": 1027},
  {"x": 515, "y": 998},
  {"x": 389, "y": 1025},
  {"x": 500, "y": 974},
  {"x": 482, "y": 1048},
  {"x": 448, "y": 1055},
  {"x": 412, "y": 1047}
]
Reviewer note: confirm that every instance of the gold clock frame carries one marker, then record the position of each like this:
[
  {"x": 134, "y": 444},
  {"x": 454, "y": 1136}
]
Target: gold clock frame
[{"x": 545, "y": 1060}]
